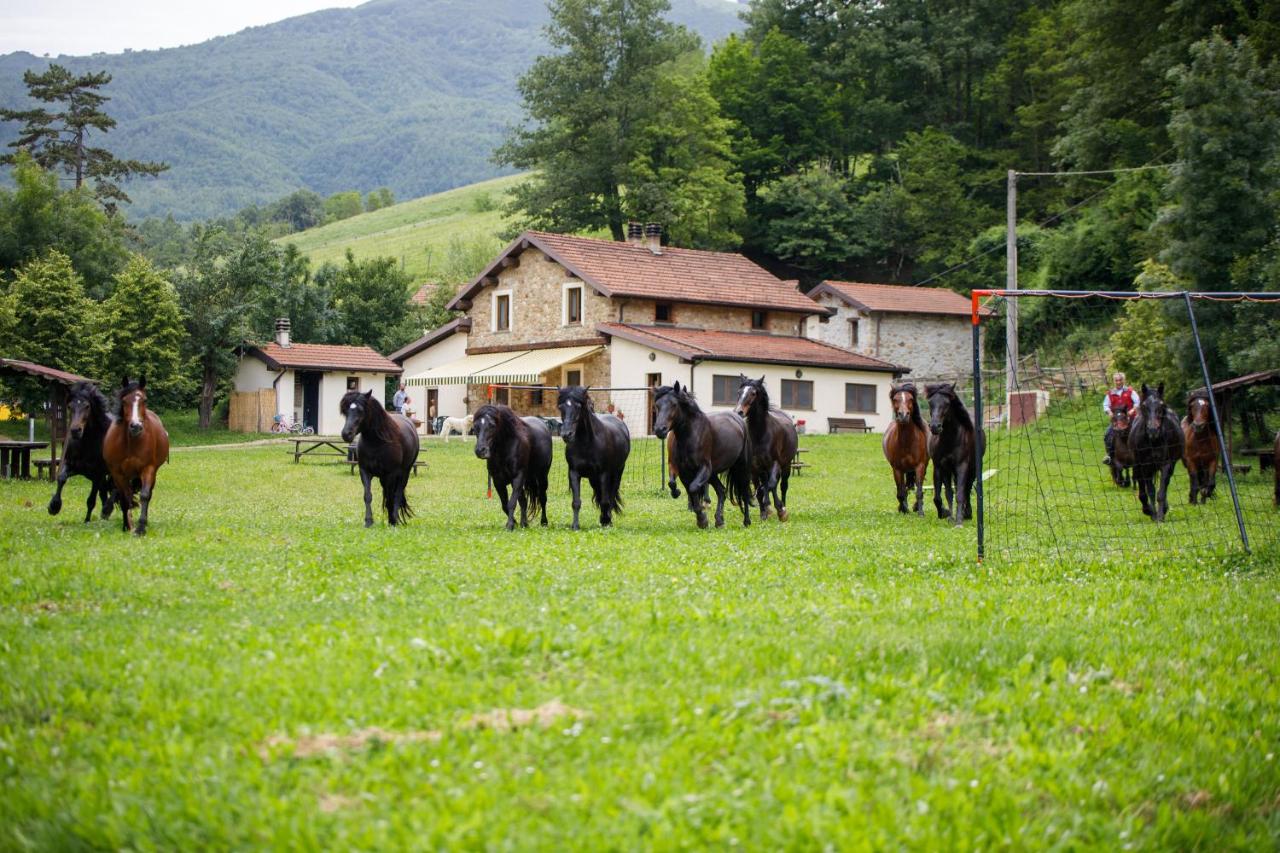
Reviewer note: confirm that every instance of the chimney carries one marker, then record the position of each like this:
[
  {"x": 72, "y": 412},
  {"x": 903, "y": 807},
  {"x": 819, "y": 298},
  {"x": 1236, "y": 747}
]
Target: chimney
[
  {"x": 653, "y": 237},
  {"x": 282, "y": 331},
  {"x": 635, "y": 233}
]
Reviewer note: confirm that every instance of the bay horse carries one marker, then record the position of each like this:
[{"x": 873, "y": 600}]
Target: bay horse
[
  {"x": 953, "y": 448},
  {"x": 387, "y": 449},
  {"x": 773, "y": 445},
  {"x": 595, "y": 447},
  {"x": 1121, "y": 453},
  {"x": 1201, "y": 450},
  {"x": 90, "y": 418},
  {"x": 906, "y": 445},
  {"x": 706, "y": 446},
  {"x": 517, "y": 452},
  {"x": 1157, "y": 441},
  {"x": 134, "y": 448}
]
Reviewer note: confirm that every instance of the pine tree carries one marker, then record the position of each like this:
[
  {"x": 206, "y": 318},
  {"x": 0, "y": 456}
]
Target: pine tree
[{"x": 141, "y": 328}]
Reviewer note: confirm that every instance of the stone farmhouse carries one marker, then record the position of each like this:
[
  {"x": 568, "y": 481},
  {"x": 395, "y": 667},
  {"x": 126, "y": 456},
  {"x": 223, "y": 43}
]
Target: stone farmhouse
[
  {"x": 928, "y": 330},
  {"x": 555, "y": 310}
]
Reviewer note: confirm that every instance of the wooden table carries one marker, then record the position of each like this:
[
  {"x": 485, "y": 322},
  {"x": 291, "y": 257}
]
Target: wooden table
[
  {"x": 315, "y": 445},
  {"x": 15, "y": 458}
]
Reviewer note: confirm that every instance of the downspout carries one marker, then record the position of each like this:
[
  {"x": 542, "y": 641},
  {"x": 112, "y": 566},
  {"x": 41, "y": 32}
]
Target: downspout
[{"x": 274, "y": 383}]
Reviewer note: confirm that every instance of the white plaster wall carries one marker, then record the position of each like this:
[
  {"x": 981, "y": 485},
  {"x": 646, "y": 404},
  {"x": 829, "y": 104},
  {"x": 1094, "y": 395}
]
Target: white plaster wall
[
  {"x": 332, "y": 386},
  {"x": 253, "y": 375},
  {"x": 630, "y": 367},
  {"x": 452, "y": 398}
]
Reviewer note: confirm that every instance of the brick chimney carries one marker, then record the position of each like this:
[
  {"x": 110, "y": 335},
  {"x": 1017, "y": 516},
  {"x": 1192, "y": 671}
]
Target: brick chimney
[
  {"x": 653, "y": 237},
  {"x": 635, "y": 233},
  {"x": 282, "y": 331}
]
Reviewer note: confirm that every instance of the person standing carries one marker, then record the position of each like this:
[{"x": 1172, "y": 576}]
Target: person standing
[
  {"x": 1121, "y": 398},
  {"x": 398, "y": 401}
]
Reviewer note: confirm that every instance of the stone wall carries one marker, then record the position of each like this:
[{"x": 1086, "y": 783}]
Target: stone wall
[
  {"x": 596, "y": 371},
  {"x": 930, "y": 344},
  {"x": 720, "y": 317},
  {"x": 537, "y": 305}
]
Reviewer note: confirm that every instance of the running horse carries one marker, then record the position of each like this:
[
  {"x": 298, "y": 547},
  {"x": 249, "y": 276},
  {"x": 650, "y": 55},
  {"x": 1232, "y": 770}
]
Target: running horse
[
  {"x": 387, "y": 450},
  {"x": 906, "y": 445},
  {"x": 1157, "y": 442},
  {"x": 1201, "y": 451},
  {"x": 1121, "y": 453},
  {"x": 704, "y": 447},
  {"x": 773, "y": 445},
  {"x": 135, "y": 447},
  {"x": 954, "y": 445},
  {"x": 517, "y": 452},
  {"x": 82, "y": 453},
  {"x": 595, "y": 447}
]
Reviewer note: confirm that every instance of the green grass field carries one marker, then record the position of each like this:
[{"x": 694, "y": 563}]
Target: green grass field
[
  {"x": 418, "y": 233},
  {"x": 261, "y": 671}
]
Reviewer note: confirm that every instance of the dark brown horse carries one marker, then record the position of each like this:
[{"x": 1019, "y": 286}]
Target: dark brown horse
[
  {"x": 90, "y": 418},
  {"x": 1202, "y": 450},
  {"x": 773, "y": 445},
  {"x": 135, "y": 447},
  {"x": 517, "y": 452},
  {"x": 954, "y": 446},
  {"x": 1121, "y": 454},
  {"x": 387, "y": 450},
  {"x": 705, "y": 446},
  {"x": 595, "y": 447},
  {"x": 906, "y": 445},
  {"x": 1157, "y": 441}
]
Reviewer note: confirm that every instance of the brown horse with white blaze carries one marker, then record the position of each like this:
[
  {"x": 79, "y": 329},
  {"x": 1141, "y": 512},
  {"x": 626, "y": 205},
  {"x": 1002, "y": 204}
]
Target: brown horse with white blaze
[
  {"x": 906, "y": 445},
  {"x": 1202, "y": 451},
  {"x": 135, "y": 447}
]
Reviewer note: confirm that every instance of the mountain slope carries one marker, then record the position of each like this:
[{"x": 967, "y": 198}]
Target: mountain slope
[{"x": 410, "y": 94}]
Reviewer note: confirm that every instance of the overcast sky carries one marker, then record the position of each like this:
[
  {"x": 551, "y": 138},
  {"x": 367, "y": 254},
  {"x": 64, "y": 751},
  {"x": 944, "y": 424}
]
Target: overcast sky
[{"x": 78, "y": 27}]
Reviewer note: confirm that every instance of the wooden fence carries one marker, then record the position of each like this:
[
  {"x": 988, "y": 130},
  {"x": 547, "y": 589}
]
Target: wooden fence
[{"x": 252, "y": 411}]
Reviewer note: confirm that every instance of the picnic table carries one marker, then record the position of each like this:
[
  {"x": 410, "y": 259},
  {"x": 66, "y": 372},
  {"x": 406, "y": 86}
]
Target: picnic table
[
  {"x": 15, "y": 458},
  {"x": 797, "y": 463},
  {"x": 315, "y": 445}
]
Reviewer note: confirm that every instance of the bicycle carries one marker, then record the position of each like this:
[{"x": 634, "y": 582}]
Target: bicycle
[{"x": 284, "y": 424}]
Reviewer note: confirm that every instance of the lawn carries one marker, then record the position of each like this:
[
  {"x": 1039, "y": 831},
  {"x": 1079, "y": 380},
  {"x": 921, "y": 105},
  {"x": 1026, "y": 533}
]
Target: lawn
[{"x": 261, "y": 671}]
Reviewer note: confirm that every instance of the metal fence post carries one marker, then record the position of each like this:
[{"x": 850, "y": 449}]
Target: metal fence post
[{"x": 980, "y": 438}]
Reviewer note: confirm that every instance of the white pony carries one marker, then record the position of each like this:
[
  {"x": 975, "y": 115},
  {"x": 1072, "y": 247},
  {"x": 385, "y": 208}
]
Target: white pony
[{"x": 461, "y": 425}]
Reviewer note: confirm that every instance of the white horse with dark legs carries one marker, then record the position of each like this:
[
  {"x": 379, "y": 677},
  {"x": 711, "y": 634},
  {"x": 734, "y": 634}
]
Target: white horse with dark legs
[{"x": 462, "y": 426}]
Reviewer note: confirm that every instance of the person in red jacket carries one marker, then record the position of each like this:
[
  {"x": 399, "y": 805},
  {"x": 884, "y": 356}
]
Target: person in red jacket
[{"x": 1121, "y": 398}]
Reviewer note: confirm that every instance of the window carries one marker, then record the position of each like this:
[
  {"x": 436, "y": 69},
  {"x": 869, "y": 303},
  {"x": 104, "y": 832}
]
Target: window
[
  {"x": 501, "y": 396},
  {"x": 573, "y": 305},
  {"x": 797, "y": 394},
  {"x": 823, "y": 318},
  {"x": 535, "y": 397},
  {"x": 853, "y": 333},
  {"x": 353, "y": 383},
  {"x": 502, "y": 311},
  {"x": 759, "y": 320},
  {"x": 571, "y": 375},
  {"x": 662, "y": 312},
  {"x": 860, "y": 398},
  {"x": 724, "y": 390}
]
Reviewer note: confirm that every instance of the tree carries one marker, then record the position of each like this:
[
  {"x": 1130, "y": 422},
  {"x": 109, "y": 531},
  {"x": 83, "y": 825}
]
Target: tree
[
  {"x": 294, "y": 294},
  {"x": 142, "y": 333},
  {"x": 586, "y": 104},
  {"x": 370, "y": 302},
  {"x": 379, "y": 198},
  {"x": 343, "y": 205},
  {"x": 302, "y": 209},
  {"x": 1143, "y": 346},
  {"x": 60, "y": 140},
  {"x": 218, "y": 292}
]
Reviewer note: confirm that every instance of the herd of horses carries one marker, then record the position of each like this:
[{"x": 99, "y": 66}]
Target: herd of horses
[{"x": 119, "y": 447}]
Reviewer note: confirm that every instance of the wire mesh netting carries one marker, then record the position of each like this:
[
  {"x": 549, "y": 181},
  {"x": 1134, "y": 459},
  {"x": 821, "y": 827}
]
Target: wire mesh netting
[{"x": 1055, "y": 483}]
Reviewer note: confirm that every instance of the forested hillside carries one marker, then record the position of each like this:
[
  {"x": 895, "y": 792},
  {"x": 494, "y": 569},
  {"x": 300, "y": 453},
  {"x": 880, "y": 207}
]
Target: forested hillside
[{"x": 409, "y": 94}]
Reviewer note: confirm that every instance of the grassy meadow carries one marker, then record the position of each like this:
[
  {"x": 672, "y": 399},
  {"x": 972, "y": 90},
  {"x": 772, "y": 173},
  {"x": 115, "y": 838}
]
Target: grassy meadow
[{"x": 261, "y": 671}]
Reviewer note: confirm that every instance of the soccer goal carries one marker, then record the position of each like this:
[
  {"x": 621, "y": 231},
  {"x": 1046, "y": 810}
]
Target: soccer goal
[{"x": 1074, "y": 444}]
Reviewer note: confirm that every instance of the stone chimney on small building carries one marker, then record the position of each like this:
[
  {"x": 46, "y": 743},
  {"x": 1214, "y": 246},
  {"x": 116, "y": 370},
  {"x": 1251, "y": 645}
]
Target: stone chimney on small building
[
  {"x": 653, "y": 237},
  {"x": 635, "y": 233},
  {"x": 282, "y": 331}
]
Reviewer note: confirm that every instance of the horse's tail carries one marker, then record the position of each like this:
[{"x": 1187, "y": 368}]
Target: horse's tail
[
  {"x": 389, "y": 497},
  {"x": 535, "y": 492},
  {"x": 740, "y": 474}
]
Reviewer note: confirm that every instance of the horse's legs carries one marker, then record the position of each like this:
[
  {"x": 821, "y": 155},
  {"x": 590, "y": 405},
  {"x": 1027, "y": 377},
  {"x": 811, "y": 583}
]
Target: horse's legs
[
  {"x": 107, "y": 495},
  {"x": 696, "y": 490},
  {"x": 721, "y": 494},
  {"x": 937, "y": 491},
  {"x": 1211, "y": 478},
  {"x": 1194, "y": 476},
  {"x": 964, "y": 491},
  {"x": 391, "y": 497},
  {"x": 601, "y": 485},
  {"x": 517, "y": 497},
  {"x": 367, "y": 479},
  {"x": 94, "y": 488},
  {"x": 575, "y": 486},
  {"x": 920, "y": 472},
  {"x": 507, "y": 505},
  {"x": 900, "y": 482},
  {"x": 1143, "y": 490},
  {"x": 762, "y": 494},
  {"x": 148, "y": 483},
  {"x": 1166, "y": 474},
  {"x": 55, "y": 502},
  {"x": 124, "y": 494},
  {"x": 784, "y": 480},
  {"x": 672, "y": 471}
]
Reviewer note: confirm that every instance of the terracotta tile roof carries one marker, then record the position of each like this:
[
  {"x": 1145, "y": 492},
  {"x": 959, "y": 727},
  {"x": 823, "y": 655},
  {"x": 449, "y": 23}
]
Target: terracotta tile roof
[
  {"x": 678, "y": 275},
  {"x": 897, "y": 298},
  {"x": 460, "y": 324},
  {"x": 424, "y": 293},
  {"x": 711, "y": 345},
  {"x": 323, "y": 357},
  {"x": 39, "y": 370}
]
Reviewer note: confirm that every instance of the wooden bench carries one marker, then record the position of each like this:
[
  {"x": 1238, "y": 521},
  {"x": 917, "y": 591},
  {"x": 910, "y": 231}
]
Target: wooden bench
[
  {"x": 834, "y": 425},
  {"x": 796, "y": 463},
  {"x": 51, "y": 464},
  {"x": 353, "y": 461},
  {"x": 1265, "y": 456}
]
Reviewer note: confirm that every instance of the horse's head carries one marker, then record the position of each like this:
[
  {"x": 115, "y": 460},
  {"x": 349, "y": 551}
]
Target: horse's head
[
  {"x": 1120, "y": 420},
  {"x": 940, "y": 399},
  {"x": 1199, "y": 414},
  {"x": 354, "y": 408},
  {"x": 133, "y": 404},
  {"x": 751, "y": 392},
  {"x": 666, "y": 408},
  {"x": 81, "y": 409},
  {"x": 905, "y": 405},
  {"x": 485, "y": 427},
  {"x": 575, "y": 405},
  {"x": 1152, "y": 411}
]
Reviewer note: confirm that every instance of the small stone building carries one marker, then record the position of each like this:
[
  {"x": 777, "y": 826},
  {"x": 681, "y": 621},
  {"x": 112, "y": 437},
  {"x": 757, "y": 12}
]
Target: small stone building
[{"x": 926, "y": 329}]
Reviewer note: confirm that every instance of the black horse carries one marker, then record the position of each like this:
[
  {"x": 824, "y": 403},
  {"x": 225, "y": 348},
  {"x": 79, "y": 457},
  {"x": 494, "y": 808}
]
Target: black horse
[
  {"x": 595, "y": 447},
  {"x": 82, "y": 453},
  {"x": 773, "y": 445},
  {"x": 1121, "y": 454},
  {"x": 387, "y": 450},
  {"x": 953, "y": 447},
  {"x": 518, "y": 454},
  {"x": 1157, "y": 442},
  {"x": 704, "y": 447}
]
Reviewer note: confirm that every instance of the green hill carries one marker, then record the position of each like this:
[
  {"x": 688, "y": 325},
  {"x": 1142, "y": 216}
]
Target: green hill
[{"x": 410, "y": 94}]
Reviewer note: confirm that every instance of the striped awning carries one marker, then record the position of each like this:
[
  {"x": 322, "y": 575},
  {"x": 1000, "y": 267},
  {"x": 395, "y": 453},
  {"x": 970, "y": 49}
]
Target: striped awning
[{"x": 522, "y": 367}]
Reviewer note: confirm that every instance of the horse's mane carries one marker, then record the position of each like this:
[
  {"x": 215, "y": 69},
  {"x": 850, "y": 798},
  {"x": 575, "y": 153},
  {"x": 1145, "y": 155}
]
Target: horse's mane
[
  {"x": 503, "y": 417},
  {"x": 910, "y": 388},
  {"x": 949, "y": 391},
  {"x": 578, "y": 394},
  {"x": 760, "y": 409},
  {"x": 685, "y": 398},
  {"x": 1201, "y": 394},
  {"x": 126, "y": 390},
  {"x": 380, "y": 424},
  {"x": 99, "y": 405}
]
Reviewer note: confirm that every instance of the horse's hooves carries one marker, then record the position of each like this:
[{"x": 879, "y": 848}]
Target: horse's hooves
[
  {"x": 675, "y": 493},
  {"x": 368, "y": 524},
  {"x": 139, "y": 531},
  {"x": 702, "y": 522},
  {"x": 55, "y": 507},
  {"x": 783, "y": 515},
  {"x": 719, "y": 523}
]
